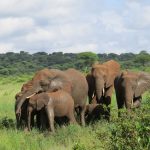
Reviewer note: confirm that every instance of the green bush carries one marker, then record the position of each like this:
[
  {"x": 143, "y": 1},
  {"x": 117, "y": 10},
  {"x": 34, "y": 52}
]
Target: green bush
[
  {"x": 79, "y": 146},
  {"x": 7, "y": 123},
  {"x": 132, "y": 132}
]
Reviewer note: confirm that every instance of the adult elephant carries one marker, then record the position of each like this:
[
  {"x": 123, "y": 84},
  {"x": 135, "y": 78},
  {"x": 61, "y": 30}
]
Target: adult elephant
[
  {"x": 129, "y": 88},
  {"x": 70, "y": 80},
  {"x": 102, "y": 82}
]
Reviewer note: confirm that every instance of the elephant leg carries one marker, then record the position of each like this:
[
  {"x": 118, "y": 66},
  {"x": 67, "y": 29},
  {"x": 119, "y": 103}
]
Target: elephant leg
[
  {"x": 120, "y": 102},
  {"x": 107, "y": 101},
  {"x": 32, "y": 119},
  {"x": 50, "y": 114},
  {"x": 29, "y": 120},
  {"x": 71, "y": 117},
  {"x": 108, "y": 95},
  {"x": 82, "y": 115},
  {"x": 18, "y": 120},
  {"x": 38, "y": 122},
  {"x": 42, "y": 120}
]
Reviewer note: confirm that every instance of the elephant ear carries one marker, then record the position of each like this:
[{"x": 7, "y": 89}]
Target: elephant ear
[
  {"x": 58, "y": 83},
  {"x": 91, "y": 82},
  {"x": 143, "y": 84},
  {"x": 42, "y": 101}
]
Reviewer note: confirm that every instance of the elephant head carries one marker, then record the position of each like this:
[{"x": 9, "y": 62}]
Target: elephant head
[
  {"x": 38, "y": 101},
  {"x": 104, "y": 75},
  {"x": 44, "y": 80},
  {"x": 133, "y": 86}
]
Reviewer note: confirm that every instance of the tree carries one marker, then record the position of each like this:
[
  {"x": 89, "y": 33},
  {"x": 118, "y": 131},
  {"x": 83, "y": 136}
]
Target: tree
[
  {"x": 86, "y": 59},
  {"x": 142, "y": 58}
]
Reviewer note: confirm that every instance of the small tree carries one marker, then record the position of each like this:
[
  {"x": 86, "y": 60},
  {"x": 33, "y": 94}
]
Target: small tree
[
  {"x": 86, "y": 59},
  {"x": 142, "y": 58}
]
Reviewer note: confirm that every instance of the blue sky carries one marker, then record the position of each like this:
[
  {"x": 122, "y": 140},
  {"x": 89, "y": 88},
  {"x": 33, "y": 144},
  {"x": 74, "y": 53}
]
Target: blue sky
[{"x": 101, "y": 26}]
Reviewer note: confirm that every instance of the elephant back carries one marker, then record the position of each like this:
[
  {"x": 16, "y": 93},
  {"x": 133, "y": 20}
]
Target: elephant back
[{"x": 79, "y": 86}]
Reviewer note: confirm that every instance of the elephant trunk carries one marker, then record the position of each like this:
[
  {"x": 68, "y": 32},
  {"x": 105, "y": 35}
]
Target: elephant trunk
[
  {"x": 21, "y": 101},
  {"x": 128, "y": 98},
  {"x": 25, "y": 96},
  {"x": 99, "y": 88}
]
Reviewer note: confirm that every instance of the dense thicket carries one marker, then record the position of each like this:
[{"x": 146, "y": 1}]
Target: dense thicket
[{"x": 23, "y": 62}]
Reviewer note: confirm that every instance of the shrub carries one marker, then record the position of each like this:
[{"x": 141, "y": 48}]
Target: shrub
[
  {"x": 7, "y": 123},
  {"x": 132, "y": 132}
]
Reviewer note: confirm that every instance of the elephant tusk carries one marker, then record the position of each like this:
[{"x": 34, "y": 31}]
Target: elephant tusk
[
  {"x": 132, "y": 103},
  {"x": 103, "y": 91},
  {"x": 93, "y": 95},
  {"x": 31, "y": 95}
]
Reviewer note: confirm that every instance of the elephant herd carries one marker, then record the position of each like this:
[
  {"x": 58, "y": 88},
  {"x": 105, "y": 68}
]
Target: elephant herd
[{"x": 56, "y": 96}]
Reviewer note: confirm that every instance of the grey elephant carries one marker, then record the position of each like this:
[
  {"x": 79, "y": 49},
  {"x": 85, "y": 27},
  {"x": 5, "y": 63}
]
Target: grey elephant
[
  {"x": 58, "y": 103},
  {"x": 101, "y": 82},
  {"x": 129, "y": 87},
  {"x": 71, "y": 81}
]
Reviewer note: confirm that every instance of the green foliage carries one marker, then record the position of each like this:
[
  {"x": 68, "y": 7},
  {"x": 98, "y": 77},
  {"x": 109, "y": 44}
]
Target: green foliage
[
  {"x": 85, "y": 60},
  {"x": 7, "y": 123},
  {"x": 132, "y": 132},
  {"x": 24, "y": 63},
  {"x": 142, "y": 58},
  {"x": 79, "y": 146}
]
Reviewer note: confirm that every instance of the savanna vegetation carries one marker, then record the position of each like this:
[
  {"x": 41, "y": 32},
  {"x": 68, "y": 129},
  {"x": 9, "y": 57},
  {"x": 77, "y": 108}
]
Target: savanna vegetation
[
  {"x": 124, "y": 133},
  {"x": 25, "y": 63}
]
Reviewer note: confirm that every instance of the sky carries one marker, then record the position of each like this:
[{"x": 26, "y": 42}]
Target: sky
[{"x": 73, "y": 26}]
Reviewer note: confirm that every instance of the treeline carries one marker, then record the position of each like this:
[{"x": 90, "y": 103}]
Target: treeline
[{"x": 24, "y": 63}]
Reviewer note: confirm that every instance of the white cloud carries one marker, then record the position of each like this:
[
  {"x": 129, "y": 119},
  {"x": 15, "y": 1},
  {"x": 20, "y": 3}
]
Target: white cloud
[
  {"x": 17, "y": 6},
  {"x": 11, "y": 25},
  {"x": 112, "y": 21},
  {"x": 138, "y": 14},
  {"x": 74, "y": 26},
  {"x": 59, "y": 34},
  {"x": 40, "y": 34}
]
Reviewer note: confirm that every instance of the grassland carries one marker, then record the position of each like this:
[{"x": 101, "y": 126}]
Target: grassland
[{"x": 98, "y": 136}]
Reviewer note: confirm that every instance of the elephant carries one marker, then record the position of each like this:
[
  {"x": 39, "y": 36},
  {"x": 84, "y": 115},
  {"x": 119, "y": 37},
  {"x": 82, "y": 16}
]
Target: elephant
[
  {"x": 70, "y": 80},
  {"x": 94, "y": 112},
  {"x": 59, "y": 103},
  {"x": 129, "y": 87},
  {"x": 21, "y": 118},
  {"x": 101, "y": 82}
]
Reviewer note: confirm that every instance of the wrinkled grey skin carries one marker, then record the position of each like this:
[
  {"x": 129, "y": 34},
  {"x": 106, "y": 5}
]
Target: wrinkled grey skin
[
  {"x": 71, "y": 80},
  {"x": 129, "y": 88}
]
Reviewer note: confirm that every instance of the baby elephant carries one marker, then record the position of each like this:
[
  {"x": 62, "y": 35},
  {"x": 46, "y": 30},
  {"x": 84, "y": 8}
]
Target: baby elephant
[
  {"x": 58, "y": 103},
  {"x": 94, "y": 112}
]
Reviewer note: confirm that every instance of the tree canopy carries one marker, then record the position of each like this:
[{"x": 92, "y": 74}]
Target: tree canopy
[{"x": 23, "y": 62}]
